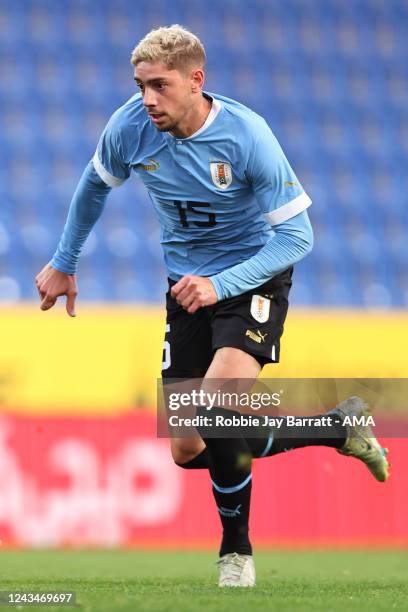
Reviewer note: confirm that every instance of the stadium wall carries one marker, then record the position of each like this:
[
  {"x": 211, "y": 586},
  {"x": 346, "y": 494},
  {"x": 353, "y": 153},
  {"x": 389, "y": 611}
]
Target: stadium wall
[
  {"x": 110, "y": 482},
  {"x": 107, "y": 359},
  {"x": 81, "y": 464}
]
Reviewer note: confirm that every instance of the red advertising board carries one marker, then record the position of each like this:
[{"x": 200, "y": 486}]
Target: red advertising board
[{"x": 112, "y": 482}]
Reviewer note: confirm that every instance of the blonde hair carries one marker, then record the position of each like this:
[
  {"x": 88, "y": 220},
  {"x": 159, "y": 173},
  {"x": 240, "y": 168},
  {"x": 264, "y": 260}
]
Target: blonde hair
[{"x": 173, "y": 45}]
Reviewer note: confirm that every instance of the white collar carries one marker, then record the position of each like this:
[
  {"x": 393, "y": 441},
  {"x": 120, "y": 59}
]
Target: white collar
[{"x": 215, "y": 109}]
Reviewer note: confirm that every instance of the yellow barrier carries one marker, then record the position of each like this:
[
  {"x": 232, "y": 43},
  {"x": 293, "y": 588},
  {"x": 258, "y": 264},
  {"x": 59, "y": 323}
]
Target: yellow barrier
[{"x": 107, "y": 359}]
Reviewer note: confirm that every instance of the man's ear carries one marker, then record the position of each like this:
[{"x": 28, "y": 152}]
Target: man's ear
[{"x": 197, "y": 80}]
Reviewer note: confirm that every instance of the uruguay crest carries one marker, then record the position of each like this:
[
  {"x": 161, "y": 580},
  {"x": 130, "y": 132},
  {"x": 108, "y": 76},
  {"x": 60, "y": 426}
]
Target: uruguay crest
[
  {"x": 221, "y": 174},
  {"x": 260, "y": 308}
]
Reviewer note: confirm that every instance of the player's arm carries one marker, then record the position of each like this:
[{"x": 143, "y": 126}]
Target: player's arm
[
  {"x": 105, "y": 171},
  {"x": 283, "y": 201},
  {"x": 292, "y": 241},
  {"x": 58, "y": 277}
]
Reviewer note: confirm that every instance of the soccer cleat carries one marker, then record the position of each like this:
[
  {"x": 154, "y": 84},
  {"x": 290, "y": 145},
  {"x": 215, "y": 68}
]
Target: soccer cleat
[
  {"x": 236, "y": 570},
  {"x": 361, "y": 442}
]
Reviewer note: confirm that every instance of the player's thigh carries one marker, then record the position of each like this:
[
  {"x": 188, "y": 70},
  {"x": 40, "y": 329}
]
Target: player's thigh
[
  {"x": 187, "y": 353},
  {"x": 246, "y": 332},
  {"x": 233, "y": 363},
  {"x": 187, "y": 350},
  {"x": 232, "y": 371},
  {"x": 253, "y": 322}
]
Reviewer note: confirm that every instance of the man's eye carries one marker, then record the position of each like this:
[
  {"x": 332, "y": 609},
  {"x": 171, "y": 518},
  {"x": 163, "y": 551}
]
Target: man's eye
[{"x": 161, "y": 86}]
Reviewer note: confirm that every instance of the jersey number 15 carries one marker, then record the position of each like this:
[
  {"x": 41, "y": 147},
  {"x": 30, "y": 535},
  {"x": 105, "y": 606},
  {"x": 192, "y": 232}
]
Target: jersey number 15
[{"x": 187, "y": 206}]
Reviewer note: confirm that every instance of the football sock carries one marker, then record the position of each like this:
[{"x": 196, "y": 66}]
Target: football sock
[
  {"x": 230, "y": 470},
  {"x": 200, "y": 462},
  {"x": 280, "y": 440},
  {"x": 289, "y": 437}
]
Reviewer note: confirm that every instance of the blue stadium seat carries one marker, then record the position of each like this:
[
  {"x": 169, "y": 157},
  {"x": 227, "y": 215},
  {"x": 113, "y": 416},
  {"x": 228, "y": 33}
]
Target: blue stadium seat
[{"x": 330, "y": 77}]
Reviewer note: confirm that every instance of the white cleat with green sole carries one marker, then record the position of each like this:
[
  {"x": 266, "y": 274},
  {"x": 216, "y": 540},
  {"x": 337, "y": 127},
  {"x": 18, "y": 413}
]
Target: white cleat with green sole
[{"x": 361, "y": 442}]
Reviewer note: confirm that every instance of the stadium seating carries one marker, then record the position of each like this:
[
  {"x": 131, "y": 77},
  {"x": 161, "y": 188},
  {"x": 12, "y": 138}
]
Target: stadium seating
[{"x": 331, "y": 78}]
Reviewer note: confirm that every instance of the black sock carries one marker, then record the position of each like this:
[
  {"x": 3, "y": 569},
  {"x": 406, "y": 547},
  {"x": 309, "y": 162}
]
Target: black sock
[
  {"x": 230, "y": 470},
  {"x": 260, "y": 447},
  {"x": 289, "y": 437},
  {"x": 200, "y": 462},
  {"x": 233, "y": 505},
  {"x": 280, "y": 440}
]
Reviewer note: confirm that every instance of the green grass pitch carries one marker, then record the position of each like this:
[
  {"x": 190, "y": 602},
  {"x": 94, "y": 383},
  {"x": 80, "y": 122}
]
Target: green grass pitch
[{"x": 186, "y": 581}]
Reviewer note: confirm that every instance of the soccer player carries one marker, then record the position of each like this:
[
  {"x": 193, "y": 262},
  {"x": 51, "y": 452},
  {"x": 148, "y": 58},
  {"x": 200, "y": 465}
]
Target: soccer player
[{"x": 233, "y": 221}]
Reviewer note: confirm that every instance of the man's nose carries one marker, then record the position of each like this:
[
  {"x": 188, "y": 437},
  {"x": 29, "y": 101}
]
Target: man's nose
[{"x": 149, "y": 98}]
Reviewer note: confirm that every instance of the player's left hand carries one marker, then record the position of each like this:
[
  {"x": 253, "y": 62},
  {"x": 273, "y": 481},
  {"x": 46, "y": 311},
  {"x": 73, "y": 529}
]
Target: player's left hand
[{"x": 194, "y": 292}]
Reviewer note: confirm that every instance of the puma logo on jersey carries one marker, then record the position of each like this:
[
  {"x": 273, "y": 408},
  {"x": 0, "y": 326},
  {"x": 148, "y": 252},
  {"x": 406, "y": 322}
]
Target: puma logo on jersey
[
  {"x": 151, "y": 167},
  {"x": 221, "y": 174},
  {"x": 256, "y": 337},
  {"x": 290, "y": 184}
]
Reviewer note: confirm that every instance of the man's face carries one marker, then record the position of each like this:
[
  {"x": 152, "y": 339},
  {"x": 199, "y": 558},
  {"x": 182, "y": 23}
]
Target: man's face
[{"x": 167, "y": 94}]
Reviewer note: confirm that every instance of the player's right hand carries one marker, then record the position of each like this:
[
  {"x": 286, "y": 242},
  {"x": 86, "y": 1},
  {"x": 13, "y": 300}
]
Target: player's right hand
[{"x": 52, "y": 283}]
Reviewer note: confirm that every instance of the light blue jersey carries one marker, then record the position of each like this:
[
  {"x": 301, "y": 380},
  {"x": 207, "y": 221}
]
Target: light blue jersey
[
  {"x": 217, "y": 194},
  {"x": 229, "y": 204}
]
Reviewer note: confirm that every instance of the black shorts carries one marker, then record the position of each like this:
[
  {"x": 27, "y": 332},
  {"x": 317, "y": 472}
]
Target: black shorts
[{"x": 252, "y": 322}]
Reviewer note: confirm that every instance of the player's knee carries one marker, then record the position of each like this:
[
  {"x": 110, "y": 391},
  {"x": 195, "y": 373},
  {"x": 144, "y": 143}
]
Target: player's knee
[{"x": 184, "y": 451}]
